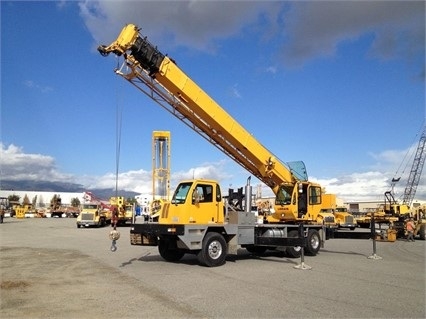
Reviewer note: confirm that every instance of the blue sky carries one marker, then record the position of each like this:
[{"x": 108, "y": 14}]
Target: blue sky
[{"x": 337, "y": 84}]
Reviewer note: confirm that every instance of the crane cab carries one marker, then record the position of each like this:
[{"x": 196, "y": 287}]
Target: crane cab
[{"x": 297, "y": 202}]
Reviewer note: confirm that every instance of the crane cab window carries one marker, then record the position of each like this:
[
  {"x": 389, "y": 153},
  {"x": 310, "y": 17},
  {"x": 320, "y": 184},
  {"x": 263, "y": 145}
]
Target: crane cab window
[
  {"x": 203, "y": 193},
  {"x": 283, "y": 197},
  {"x": 314, "y": 195}
]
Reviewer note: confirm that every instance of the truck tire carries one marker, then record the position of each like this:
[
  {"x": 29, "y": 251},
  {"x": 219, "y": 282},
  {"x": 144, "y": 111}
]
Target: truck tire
[
  {"x": 313, "y": 242},
  {"x": 293, "y": 252},
  {"x": 422, "y": 232},
  {"x": 169, "y": 252},
  {"x": 214, "y": 250}
]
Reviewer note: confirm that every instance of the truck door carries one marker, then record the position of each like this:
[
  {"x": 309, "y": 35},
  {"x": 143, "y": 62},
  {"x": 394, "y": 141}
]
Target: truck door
[
  {"x": 314, "y": 199},
  {"x": 204, "y": 206}
]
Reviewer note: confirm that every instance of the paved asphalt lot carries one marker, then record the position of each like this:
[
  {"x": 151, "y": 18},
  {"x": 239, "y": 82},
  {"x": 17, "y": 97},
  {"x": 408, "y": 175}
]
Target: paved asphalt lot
[{"x": 51, "y": 269}]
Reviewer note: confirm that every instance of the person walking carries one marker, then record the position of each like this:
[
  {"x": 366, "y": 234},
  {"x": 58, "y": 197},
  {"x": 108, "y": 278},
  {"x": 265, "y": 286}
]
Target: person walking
[{"x": 410, "y": 229}]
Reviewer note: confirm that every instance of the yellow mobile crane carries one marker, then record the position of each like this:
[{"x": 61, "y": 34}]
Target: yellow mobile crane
[{"x": 194, "y": 220}]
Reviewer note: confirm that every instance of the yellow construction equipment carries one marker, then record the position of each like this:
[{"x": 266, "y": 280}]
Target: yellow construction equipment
[
  {"x": 123, "y": 208},
  {"x": 196, "y": 219},
  {"x": 22, "y": 209},
  {"x": 399, "y": 213},
  {"x": 160, "y": 172},
  {"x": 342, "y": 218},
  {"x": 94, "y": 212},
  {"x": 158, "y": 76}
]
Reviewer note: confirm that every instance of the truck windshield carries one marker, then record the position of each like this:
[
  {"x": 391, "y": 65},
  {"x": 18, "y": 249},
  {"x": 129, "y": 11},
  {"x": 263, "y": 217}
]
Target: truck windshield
[
  {"x": 90, "y": 206},
  {"x": 181, "y": 193}
]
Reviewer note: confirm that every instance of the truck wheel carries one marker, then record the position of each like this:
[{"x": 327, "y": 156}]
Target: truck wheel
[
  {"x": 313, "y": 242},
  {"x": 422, "y": 231},
  {"x": 213, "y": 252},
  {"x": 168, "y": 253},
  {"x": 296, "y": 251}
]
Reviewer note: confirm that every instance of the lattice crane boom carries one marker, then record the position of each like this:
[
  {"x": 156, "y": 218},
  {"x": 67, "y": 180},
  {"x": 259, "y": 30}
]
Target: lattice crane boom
[{"x": 416, "y": 170}]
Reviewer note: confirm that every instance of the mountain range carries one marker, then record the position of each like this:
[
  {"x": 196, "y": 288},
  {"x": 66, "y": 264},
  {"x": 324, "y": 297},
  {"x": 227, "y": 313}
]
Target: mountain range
[{"x": 45, "y": 186}]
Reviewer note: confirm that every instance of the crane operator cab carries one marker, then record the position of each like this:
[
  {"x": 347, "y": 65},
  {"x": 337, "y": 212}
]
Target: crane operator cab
[{"x": 298, "y": 202}]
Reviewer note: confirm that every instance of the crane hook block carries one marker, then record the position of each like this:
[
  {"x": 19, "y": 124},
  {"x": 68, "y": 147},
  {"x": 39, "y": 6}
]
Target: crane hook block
[{"x": 114, "y": 235}]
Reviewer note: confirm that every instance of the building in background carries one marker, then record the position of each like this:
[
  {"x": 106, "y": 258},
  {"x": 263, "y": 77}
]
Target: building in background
[{"x": 42, "y": 199}]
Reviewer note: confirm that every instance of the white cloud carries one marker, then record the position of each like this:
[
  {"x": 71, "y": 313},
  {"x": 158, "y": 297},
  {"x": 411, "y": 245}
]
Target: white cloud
[
  {"x": 303, "y": 30},
  {"x": 316, "y": 28},
  {"x": 367, "y": 186},
  {"x": 216, "y": 171},
  {"x": 357, "y": 186},
  {"x": 33, "y": 85},
  {"x": 235, "y": 92},
  {"x": 371, "y": 185},
  {"x": 271, "y": 69},
  {"x": 17, "y": 165},
  {"x": 195, "y": 24},
  {"x": 140, "y": 181}
]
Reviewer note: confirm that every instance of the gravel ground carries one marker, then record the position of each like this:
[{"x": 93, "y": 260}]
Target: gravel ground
[{"x": 51, "y": 269}]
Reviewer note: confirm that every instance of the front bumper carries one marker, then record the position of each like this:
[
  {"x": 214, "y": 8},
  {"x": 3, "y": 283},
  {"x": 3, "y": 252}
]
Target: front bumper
[{"x": 147, "y": 234}]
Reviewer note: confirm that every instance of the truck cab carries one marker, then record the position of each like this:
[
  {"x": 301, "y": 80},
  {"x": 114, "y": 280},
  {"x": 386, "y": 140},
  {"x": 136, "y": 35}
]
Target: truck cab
[
  {"x": 93, "y": 214},
  {"x": 194, "y": 202},
  {"x": 344, "y": 219}
]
